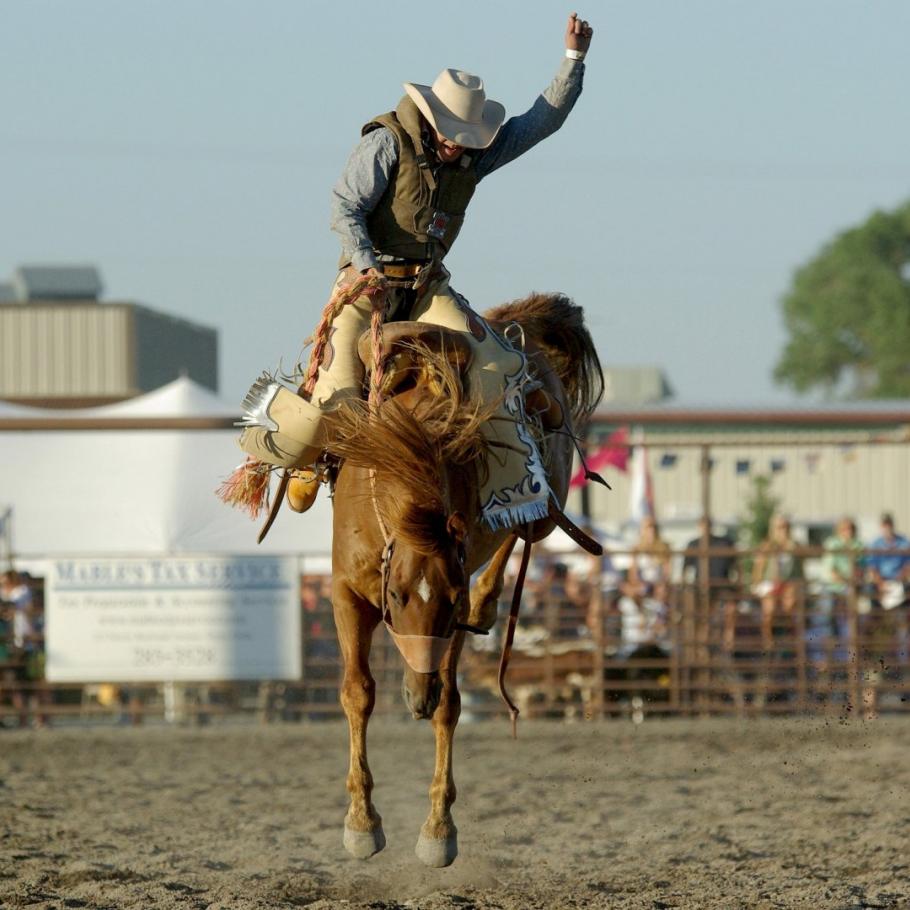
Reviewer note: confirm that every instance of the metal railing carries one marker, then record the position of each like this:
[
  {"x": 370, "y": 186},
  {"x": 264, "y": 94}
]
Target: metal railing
[{"x": 584, "y": 648}]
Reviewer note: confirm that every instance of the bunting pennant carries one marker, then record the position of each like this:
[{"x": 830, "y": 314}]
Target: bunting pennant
[
  {"x": 614, "y": 452},
  {"x": 777, "y": 465},
  {"x": 812, "y": 461},
  {"x": 743, "y": 465},
  {"x": 668, "y": 460}
]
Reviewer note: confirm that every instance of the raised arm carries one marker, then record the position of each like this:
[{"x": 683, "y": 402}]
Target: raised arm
[{"x": 549, "y": 111}]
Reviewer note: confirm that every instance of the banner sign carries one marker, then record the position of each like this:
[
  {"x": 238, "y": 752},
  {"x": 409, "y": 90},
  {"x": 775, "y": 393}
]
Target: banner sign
[{"x": 173, "y": 618}]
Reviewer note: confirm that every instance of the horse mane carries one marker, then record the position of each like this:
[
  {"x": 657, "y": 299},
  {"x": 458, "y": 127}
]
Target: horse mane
[
  {"x": 556, "y": 325},
  {"x": 415, "y": 442}
]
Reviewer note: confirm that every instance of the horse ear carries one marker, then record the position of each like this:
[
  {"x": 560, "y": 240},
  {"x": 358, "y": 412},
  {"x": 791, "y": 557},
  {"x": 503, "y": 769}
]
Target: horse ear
[{"x": 457, "y": 527}]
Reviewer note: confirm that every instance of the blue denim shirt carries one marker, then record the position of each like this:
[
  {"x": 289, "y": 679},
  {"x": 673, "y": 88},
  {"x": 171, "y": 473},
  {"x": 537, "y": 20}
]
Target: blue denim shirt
[{"x": 888, "y": 566}]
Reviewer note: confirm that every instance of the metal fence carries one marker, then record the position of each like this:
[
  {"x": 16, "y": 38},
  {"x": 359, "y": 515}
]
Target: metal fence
[{"x": 584, "y": 648}]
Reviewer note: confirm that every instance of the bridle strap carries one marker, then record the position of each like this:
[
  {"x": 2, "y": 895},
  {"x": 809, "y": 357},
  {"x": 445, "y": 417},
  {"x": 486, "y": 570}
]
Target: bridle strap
[
  {"x": 385, "y": 563},
  {"x": 510, "y": 631}
]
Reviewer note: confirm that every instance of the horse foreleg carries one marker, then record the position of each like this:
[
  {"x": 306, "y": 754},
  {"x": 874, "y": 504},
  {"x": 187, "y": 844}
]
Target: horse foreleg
[
  {"x": 488, "y": 586},
  {"x": 438, "y": 841},
  {"x": 355, "y": 621}
]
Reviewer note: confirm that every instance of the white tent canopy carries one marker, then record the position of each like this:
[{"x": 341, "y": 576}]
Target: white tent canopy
[
  {"x": 180, "y": 398},
  {"x": 138, "y": 491}
]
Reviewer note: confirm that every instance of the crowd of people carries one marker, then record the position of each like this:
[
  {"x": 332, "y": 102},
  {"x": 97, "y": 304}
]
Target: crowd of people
[
  {"x": 756, "y": 596},
  {"x": 846, "y": 600}
]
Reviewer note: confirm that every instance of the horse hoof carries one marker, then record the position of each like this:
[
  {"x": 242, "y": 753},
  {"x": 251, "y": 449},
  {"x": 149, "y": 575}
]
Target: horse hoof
[
  {"x": 437, "y": 852},
  {"x": 363, "y": 844}
]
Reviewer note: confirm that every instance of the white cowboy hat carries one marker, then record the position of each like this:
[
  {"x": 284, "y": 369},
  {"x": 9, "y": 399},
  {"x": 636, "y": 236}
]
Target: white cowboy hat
[{"x": 457, "y": 107}]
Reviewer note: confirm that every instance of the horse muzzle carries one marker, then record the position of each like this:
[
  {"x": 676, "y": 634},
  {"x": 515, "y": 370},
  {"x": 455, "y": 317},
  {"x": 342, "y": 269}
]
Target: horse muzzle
[{"x": 422, "y": 653}]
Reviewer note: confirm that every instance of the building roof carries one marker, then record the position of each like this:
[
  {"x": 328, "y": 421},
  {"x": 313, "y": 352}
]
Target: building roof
[
  {"x": 828, "y": 413},
  {"x": 635, "y": 385},
  {"x": 57, "y": 282}
]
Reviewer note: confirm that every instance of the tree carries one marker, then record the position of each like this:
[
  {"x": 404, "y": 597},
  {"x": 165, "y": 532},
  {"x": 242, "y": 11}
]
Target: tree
[
  {"x": 760, "y": 507},
  {"x": 848, "y": 313},
  {"x": 755, "y": 524}
]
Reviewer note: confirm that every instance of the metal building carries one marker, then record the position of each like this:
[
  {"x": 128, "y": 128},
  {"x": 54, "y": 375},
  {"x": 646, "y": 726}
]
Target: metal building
[
  {"x": 61, "y": 346},
  {"x": 824, "y": 461}
]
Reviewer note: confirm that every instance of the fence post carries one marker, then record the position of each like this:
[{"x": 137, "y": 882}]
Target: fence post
[
  {"x": 596, "y": 620},
  {"x": 675, "y": 645},
  {"x": 800, "y": 633},
  {"x": 551, "y": 625},
  {"x": 854, "y": 672}
]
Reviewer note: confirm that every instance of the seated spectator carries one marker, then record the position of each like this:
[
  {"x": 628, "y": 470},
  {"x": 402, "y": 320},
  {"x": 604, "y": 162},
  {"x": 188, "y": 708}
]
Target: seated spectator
[
  {"x": 16, "y": 601},
  {"x": 16, "y": 595},
  {"x": 721, "y": 566},
  {"x": 722, "y": 574},
  {"x": 777, "y": 575},
  {"x": 884, "y": 633},
  {"x": 644, "y": 604},
  {"x": 889, "y": 569},
  {"x": 842, "y": 568}
]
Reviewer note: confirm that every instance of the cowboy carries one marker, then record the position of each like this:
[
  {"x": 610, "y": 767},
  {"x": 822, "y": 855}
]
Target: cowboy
[{"x": 398, "y": 208}]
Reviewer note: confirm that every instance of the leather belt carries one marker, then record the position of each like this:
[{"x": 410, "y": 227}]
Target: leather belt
[{"x": 408, "y": 270}]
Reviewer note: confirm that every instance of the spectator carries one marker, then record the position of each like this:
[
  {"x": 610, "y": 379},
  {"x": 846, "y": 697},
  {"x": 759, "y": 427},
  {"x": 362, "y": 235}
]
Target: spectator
[
  {"x": 889, "y": 569},
  {"x": 644, "y": 603},
  {"x": 721, "y": 585},
  {"x": 320, "y": 645},
  {"x": 17, "y": 608},
  {"x": 777, "y": 575},
  {"x": 721, "y": 566},
  {"x": 16, "y": 594},
  {"x": 562, "y": 602},
  {"x": 883, "y": 631},
  {"x": 841, "y": 571}
]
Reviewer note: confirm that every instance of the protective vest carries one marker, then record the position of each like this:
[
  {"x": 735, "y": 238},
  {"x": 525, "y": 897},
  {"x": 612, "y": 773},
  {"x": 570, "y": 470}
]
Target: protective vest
[{"x": 420, "y": 213}]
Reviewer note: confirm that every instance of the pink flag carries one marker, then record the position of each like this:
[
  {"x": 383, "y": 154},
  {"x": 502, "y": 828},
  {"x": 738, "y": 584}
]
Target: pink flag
[{"x": 614, "y": 452}]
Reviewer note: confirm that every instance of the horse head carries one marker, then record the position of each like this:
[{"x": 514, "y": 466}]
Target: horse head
[{"x": 425, "y": 600}]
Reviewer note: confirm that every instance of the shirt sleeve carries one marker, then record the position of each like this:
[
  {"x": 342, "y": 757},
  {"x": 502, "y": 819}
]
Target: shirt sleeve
[
  {"x": 545, "y": 117},
  {"x": 358, "y": 191}
]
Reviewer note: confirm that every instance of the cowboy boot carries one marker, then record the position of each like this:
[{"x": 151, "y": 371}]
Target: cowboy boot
[{"x": 302, "y": 489}]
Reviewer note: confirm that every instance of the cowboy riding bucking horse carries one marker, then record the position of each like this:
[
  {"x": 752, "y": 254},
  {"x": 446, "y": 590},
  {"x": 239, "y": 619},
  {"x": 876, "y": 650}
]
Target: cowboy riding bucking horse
[{"x": 398, "y": 208}]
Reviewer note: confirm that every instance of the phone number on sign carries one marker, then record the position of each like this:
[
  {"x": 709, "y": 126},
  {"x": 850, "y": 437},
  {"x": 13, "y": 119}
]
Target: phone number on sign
[{"x": 182, "y": 657}]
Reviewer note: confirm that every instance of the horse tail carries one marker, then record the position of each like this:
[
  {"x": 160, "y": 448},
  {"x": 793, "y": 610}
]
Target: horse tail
[{"x": 557, "y": 326}]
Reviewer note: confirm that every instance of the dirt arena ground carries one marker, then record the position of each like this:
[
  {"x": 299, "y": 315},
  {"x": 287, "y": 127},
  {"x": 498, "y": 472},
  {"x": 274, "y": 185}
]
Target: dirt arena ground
[{"x": 726, "y": 814}]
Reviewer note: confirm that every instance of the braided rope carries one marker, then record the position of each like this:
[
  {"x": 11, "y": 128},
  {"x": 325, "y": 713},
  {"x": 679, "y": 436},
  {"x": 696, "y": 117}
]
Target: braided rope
[
  {"x": 248, "y": 486},
  {"x": 372, "y": 287}
]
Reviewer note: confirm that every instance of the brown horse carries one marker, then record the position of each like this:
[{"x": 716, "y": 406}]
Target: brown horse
[{"x": 408, "y": 537}]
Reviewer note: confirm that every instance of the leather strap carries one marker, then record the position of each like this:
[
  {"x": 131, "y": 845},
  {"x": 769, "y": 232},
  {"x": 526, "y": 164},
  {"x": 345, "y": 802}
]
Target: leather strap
[
  {"x": 510, "y": 631},
  {"x": 563, "y": 522},
  {"x": 276, "y": 504}
]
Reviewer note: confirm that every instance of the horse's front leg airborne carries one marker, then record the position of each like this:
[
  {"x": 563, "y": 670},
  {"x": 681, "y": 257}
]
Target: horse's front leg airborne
[
  {"x": 355, "y": 621},
  {"x": 438, "y": 841}
]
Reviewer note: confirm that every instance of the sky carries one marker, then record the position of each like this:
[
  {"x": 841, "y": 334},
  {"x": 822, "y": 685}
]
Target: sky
[{"x": 188, "y": 149}]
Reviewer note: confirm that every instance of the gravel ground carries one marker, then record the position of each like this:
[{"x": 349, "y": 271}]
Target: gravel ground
[{"x": 673, "y": 813}]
